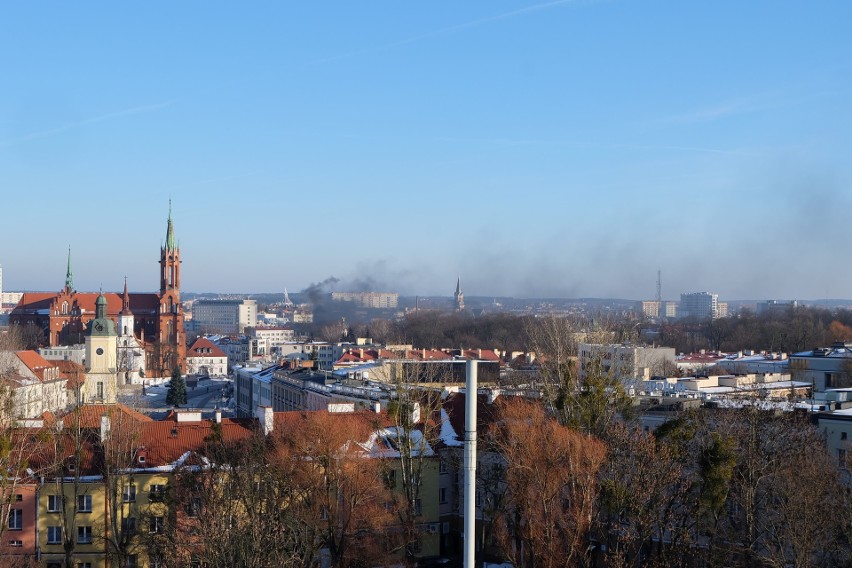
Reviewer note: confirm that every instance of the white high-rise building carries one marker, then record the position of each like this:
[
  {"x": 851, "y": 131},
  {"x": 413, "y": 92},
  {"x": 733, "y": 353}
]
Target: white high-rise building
[
  {"x": 224, "y": 316},
  {"x": 701, "y": 305}
]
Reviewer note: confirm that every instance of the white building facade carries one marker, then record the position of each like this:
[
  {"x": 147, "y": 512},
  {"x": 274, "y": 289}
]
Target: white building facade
[
  {"x": 224, "y": 316},
  {"x": 701, "y": 305}
]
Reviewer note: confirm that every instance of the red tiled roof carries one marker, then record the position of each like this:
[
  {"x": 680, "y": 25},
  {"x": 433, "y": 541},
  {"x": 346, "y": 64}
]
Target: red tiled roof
[
  {"x": 140, "y": 303},
  {"x": 73, "y": 372},
  {"x": 166, "y": 441},
  {"x": 204, "y": 343},
  {"x": 89, "y": 415},
  {"x": 456, "y": 409},
  {"x": 34, "y": 362},
  {"x": 358, "y": 425}
]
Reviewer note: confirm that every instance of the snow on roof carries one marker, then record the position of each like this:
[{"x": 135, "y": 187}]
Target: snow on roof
[
  {"x": 383, "y": 443},
  {"x": 779, "y": 385},
  {"x": 448, "y": 435}
]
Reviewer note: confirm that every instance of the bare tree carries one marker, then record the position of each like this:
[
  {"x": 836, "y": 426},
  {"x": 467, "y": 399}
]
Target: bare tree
[
  {"x": 230, "y": 506},
  {"x": 65, "y": 462},
  {"x": 415, "y": 412},
  {"x": 551, "y": 488},
  {"x": 645, "y": 513},
  {"x": 342, "y": 503},
  {"x": 117, "y": 457}
]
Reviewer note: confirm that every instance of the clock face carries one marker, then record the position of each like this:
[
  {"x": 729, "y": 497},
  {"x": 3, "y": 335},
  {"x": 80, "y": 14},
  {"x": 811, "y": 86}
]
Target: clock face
[
  {"x": 99, "y": 351},
  {"x": 99, "y": 326}
]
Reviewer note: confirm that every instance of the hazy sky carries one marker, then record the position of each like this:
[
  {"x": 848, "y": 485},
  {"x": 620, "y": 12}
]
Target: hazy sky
[{"x": 562, "y": 148}]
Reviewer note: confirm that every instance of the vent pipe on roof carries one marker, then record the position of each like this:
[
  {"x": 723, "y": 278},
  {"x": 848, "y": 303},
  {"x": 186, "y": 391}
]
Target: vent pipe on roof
[
  {"x": 266, "y": 418},
  {"x": 105, "y": 427}
]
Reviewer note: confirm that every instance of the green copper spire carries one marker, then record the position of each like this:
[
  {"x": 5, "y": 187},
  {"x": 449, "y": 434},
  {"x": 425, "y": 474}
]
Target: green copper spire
[
  {"x": 69, "y": 276},
  {"x": 170, "y": 231},
  {"x": 101, "y": 326}
]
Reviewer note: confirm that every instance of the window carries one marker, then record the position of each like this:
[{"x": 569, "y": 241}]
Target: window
[
  {"x": 131, "y": 561},
  {"x": 84, "y": 535},
  {"x": 418, "y": 507},
  {"x": 16, "y": 543},
  {"x": 19, "y": 497},
  {"x": 84, "y": 503},
  {"x": 84, "y": 565},
  {"x": 54, "y": 503},
  {"x": 128, "y": 494},
  {"x": 390, "y": 479},
  {"x": 16, "y": 519},
  {"x": 100, "y": 390},
  {"x": 843, "y": 435},
  {"x": 156, "y": 525},
  {"x": 156, "y": 493},
  {"x": 442, "y": 467},
  {"x": 443, "y": 494},
  {"x": 128, "y": 525},
  {"x": 194, "y": 506},
  {"x": 54, "y": 565},
  {"x": 54, "y": 535}
]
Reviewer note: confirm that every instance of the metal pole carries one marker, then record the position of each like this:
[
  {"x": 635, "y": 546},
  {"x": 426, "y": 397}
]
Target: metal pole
[{"x": 470, "y": 465}]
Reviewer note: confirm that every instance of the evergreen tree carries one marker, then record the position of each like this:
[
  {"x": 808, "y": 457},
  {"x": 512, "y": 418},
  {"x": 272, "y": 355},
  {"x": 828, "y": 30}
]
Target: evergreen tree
[{"x": 177, "y": 390}]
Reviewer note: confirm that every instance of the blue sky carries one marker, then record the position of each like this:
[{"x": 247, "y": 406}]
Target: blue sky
[{"x": 562, "y": 148}]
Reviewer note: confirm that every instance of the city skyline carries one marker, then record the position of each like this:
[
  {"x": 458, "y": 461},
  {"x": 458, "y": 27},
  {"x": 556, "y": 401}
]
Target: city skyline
[{"x": 537, "y": 149}]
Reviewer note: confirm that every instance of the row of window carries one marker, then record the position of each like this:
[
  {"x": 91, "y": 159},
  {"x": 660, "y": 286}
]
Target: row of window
[
  {"x": 131, "y": 563},
  {"x": 84, "y": 502},
  {"x": 84, "y": 533}
]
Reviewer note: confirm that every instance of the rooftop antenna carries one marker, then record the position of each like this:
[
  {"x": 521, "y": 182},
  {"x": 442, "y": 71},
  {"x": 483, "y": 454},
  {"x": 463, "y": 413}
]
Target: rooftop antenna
[{"x": 659, "y": 286}]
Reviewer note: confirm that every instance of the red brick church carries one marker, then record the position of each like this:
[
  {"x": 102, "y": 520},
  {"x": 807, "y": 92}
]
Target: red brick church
[{"x": 156, "y": 318}]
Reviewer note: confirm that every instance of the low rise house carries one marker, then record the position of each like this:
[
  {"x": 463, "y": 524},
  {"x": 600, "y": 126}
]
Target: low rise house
[
  {"x": 37, "y": 384},
  {"x": 824, "y": 367},
  {"x": 204, "y": 358}
]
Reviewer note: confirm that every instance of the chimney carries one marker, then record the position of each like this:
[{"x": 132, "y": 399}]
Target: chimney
[
  {"x": 377, "y": 407},
  {"x": 105, "y": 425},
  {"x": 492, "y": 395},
  {"x": 218, "y": 416},
  {"x": 266, "y": 418}
]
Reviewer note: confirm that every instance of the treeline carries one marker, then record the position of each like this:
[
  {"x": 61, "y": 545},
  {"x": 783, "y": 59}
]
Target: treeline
[
  {"x": 791, "y": 330},
  {"x": 740, "y": 487},
  {"x": 428, "y": 330}
]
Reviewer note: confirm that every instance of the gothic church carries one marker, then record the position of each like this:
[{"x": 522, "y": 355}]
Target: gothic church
[{"x": 149, "y": 323}]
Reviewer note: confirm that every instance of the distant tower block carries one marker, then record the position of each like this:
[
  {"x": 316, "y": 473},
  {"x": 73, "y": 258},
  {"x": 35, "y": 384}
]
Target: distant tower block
[{"x": 459, "y": 296}]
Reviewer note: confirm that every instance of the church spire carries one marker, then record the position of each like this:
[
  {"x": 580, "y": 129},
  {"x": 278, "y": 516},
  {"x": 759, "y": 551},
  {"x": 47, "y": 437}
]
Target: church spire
[
  {"x": 170, "y": 231},
  {"x": 69, "y": 276},
  {"x": 459, "y": 295},
  {"x": 125, "y": 299}
]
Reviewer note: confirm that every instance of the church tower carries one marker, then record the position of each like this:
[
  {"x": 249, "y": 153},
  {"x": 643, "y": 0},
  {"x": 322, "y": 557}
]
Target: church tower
[
  {"x": 69, "y": 276},
  {"x": 171, "y": 343},
  {"x": 459, "y": 295},
  {"x": 125, "y": 316},
  {"x": 101, "y": 350}
]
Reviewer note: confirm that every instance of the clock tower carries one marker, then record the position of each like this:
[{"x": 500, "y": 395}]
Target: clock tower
[{"x": 101, "y": 351}]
